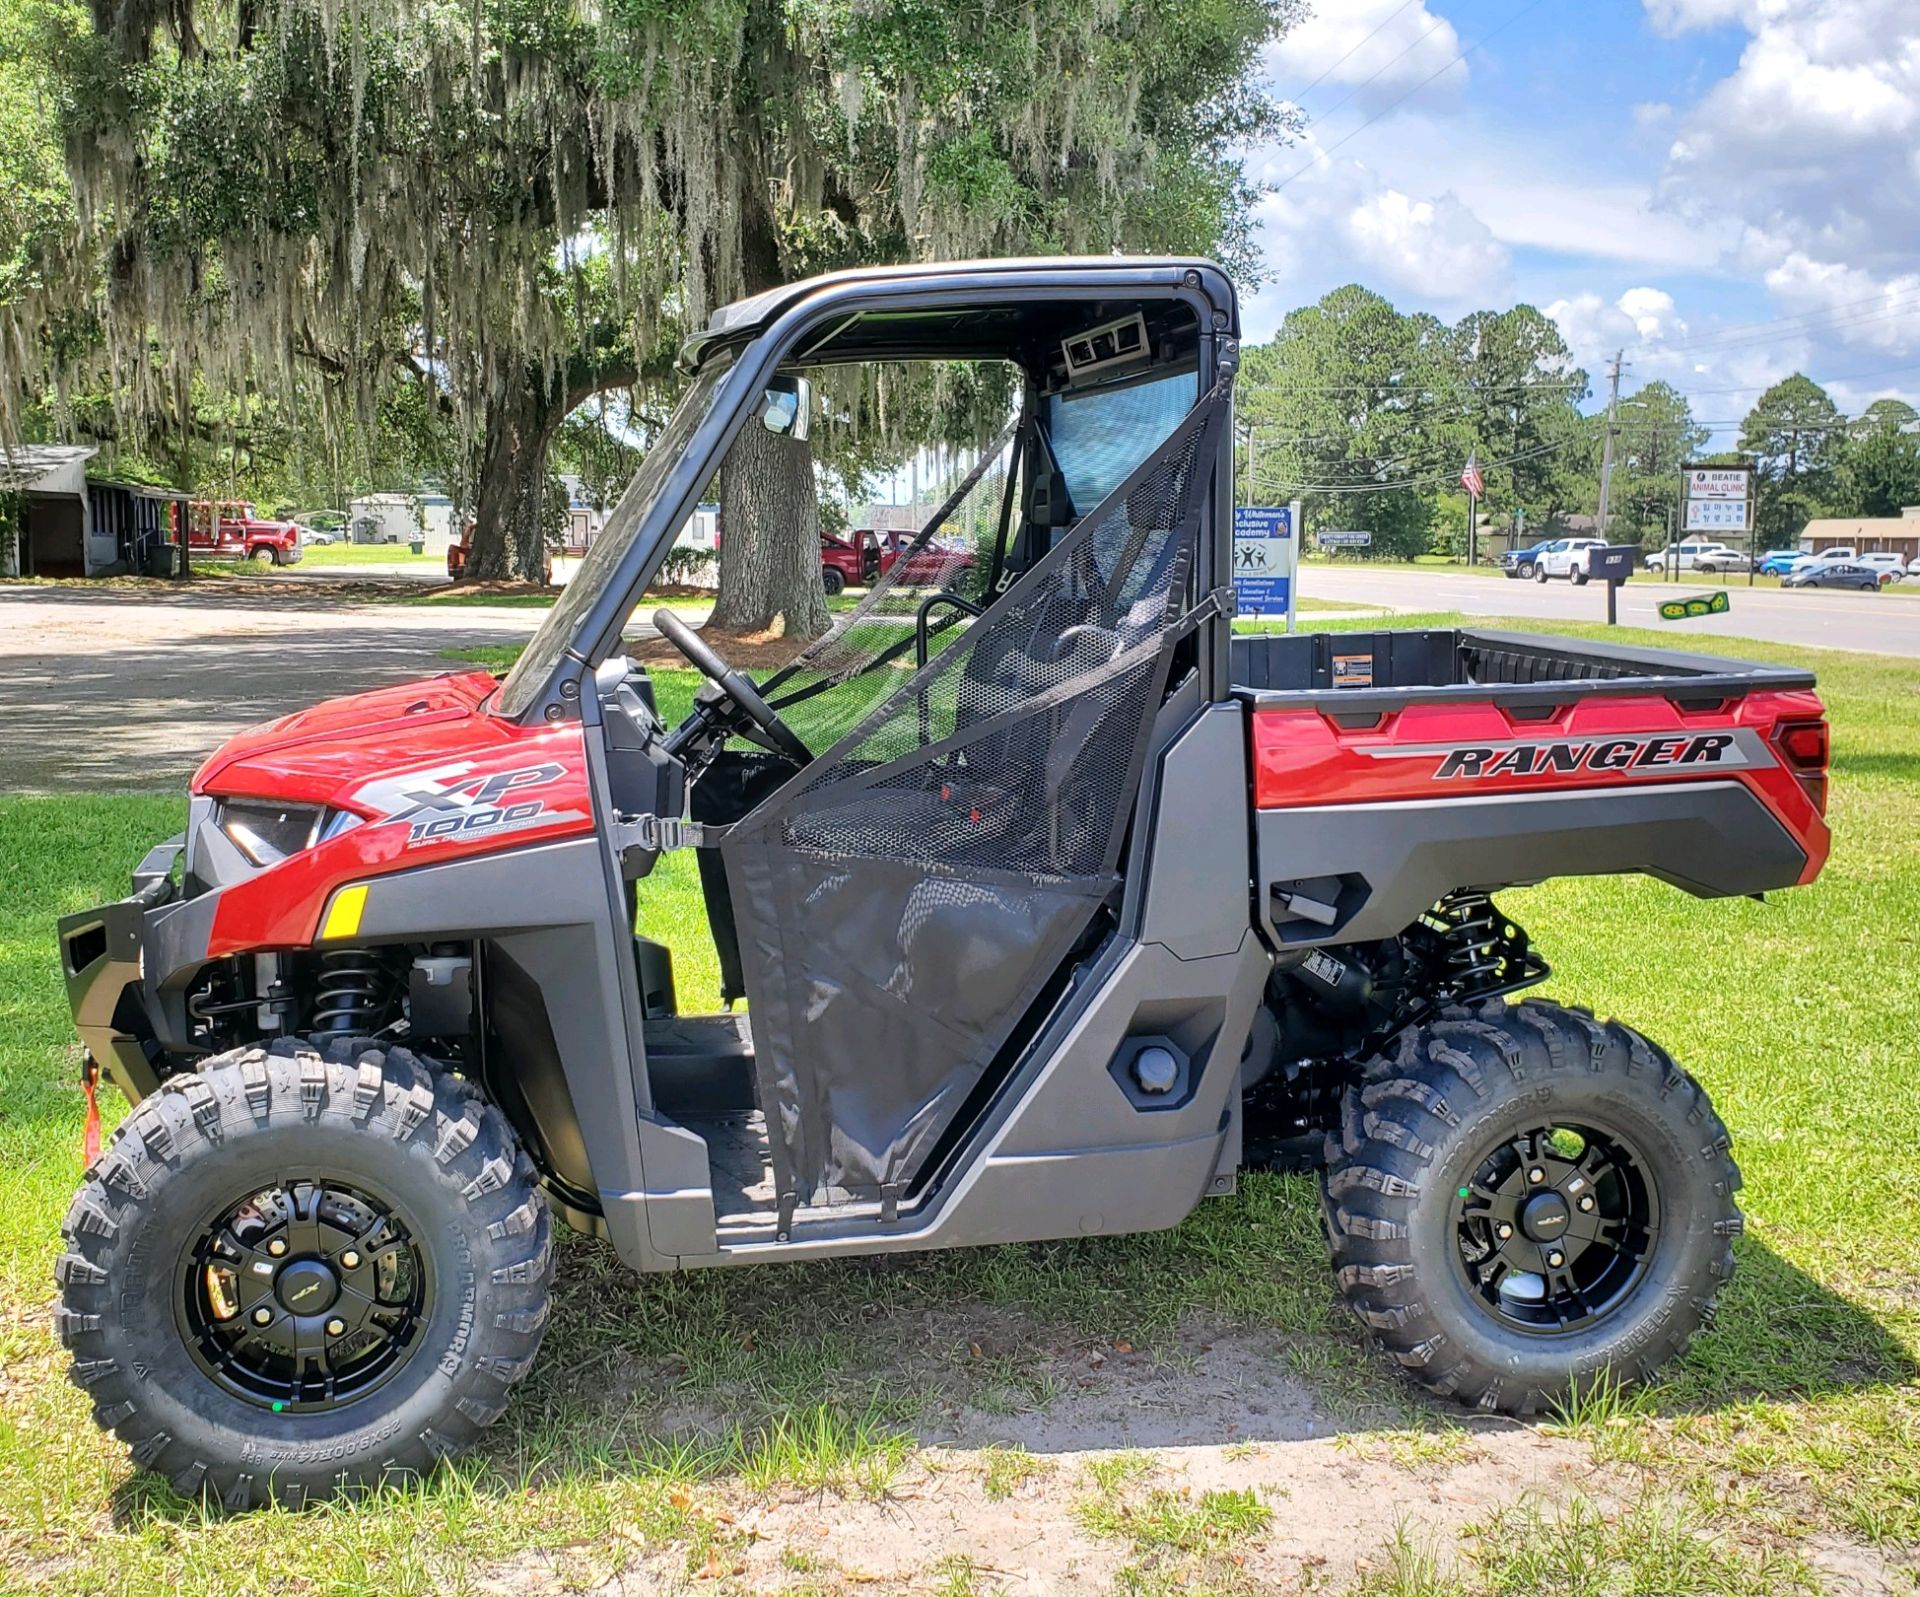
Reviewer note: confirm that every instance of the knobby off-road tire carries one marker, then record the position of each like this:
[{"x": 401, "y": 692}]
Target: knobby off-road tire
[
  {"x": 1417, "y": 1134},
  {"x": 364, "y": 1120}
]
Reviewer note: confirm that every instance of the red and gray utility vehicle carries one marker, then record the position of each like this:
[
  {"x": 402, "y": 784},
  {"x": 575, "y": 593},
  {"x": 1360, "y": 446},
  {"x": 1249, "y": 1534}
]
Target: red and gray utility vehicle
[
  {"x": 1054, "y": 904},
  {"x": 233, "y": 530}
]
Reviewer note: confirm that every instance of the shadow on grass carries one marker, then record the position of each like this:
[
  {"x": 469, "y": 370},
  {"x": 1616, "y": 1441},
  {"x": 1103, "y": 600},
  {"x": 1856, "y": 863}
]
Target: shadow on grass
[
  {"x": 1224, "y": 1331},
  {"x": 1891, "y": 765}
]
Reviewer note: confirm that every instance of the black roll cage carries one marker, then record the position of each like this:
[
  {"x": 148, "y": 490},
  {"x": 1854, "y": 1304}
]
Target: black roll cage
[{"x": 768, "y": 330}]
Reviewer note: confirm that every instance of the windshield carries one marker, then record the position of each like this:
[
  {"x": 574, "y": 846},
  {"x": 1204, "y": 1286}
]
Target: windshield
[{"x": 610, "y": 549}]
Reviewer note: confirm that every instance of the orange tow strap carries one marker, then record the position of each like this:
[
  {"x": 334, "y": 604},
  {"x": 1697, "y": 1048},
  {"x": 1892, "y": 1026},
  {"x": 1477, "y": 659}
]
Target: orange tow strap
[{"x": 90, "y": 1132}]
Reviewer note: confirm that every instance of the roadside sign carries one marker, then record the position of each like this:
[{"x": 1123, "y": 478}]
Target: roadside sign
[
  {"x": 1717, "y": 499},
  {"x": 1345, "y": 540},
  {"x": 1703, "y": 604},
  {"x": 1264, "y": 560},
  {"x": 1716, "y": 482},
  {"x": 1717, "y": 515}
]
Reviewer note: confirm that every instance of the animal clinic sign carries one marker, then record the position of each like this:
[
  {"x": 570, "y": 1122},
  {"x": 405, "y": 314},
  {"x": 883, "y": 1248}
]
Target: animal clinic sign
[{"x": 1718, "y": 499}]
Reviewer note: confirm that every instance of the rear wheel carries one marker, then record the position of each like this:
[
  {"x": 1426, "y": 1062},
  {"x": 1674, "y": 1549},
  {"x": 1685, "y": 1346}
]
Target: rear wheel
[
  {"x": 1523, "y": 1198},
  {"x": 299, "y": 1272},
  {"x": 1579, "y": 576}
]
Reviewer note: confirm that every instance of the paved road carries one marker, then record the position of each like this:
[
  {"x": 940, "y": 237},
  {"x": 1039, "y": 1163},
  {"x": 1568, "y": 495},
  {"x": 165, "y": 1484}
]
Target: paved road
[
  {"x": 1878, "y": 623},
  {"x": 128, "y": 689}
]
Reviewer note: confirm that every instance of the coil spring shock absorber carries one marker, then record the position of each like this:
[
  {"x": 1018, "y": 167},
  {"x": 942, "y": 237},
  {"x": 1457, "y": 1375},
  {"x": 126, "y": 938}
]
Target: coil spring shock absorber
[
  {"x": 1475, "y": 940},
  {"x": 350, "y": 993}
]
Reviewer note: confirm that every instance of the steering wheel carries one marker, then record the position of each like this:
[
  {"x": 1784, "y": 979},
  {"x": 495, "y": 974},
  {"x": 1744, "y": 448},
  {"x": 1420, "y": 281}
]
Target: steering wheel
[{"x": 734, "y": 684}]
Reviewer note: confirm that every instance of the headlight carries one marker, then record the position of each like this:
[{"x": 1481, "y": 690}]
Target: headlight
[{"x": 267, "y": 832}]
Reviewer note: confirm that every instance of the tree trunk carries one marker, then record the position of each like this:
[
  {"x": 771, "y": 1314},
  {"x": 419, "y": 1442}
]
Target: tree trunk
[
  {"x": 506, "y": 533},
  {"x": 769, "y": 537}
]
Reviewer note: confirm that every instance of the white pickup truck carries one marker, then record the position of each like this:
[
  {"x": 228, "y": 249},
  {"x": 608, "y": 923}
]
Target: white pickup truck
[{"x": 1566, "y": 557}]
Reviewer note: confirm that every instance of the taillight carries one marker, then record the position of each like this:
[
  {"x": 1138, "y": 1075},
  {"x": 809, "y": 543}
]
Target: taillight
[{"x": 1805, "y": 747}]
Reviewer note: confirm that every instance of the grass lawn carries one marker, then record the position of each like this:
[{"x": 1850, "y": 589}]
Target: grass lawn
[
  {"x": 368, "y": 554},
  {"x": 666, "y": 1416}
]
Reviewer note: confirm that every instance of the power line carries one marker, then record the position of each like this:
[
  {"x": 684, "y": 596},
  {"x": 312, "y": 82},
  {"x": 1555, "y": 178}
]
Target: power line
[
  {"x": 1531, "y": 5},
  {"x": 1410, "y": 482},
  {"x": 1770, "y": 322},
  {"x": 1364, "y": 42},
  {"x": 1432, "y": 28}
]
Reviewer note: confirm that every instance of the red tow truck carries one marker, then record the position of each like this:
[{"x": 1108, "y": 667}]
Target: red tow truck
[{"x": 231, "y": 529}]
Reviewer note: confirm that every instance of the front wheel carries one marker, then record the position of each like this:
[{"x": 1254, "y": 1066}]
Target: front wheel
[
  {"x": 264, "y": 557},
  {"x": 832, "y": 580},
  {"x": 1539, "y": 573},
  {"x": 297, "y": 1272},
  {"x": 1525, "y": 1198}
]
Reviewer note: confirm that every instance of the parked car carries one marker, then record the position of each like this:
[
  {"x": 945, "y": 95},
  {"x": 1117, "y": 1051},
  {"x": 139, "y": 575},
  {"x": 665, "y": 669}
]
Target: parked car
[
  {"x": 1565, "y": 557},
  {"x": 1838, "y": 574},
  {"x": 1885, "y": 560},
  {"x": 459, "y": 548},
  {"x": 1778, "y": 562},
  {"x": 1826, "y": 556},
  {"x": 933, "y": 565},
  {"x": 230, "y": 529},
  {"x": 1697, "y": 554},
  {"x": 315, "y": 535},
  {"x": 1519, "y": 563},
  {"x": 854, "y": 558}
]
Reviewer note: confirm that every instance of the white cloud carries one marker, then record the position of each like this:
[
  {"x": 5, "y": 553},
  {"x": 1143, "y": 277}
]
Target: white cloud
[
  {"x": 1437, "y": 246},
  {"x": 1386, "y": 45},
  {"x": 1813, "y": 138},
  {"x": 1431, "y": 246},
  {"x": 1675, "y": 17},
  {"x": 1595, "y": 327},
  {"x": 1652, "y": 114},
  {"x": 1804, "y": 162}
]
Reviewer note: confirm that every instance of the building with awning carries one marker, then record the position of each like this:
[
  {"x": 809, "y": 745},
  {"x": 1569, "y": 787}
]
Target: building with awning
[
  {"x": 1898, "y": 535},
  {"x": 68, "y": 524}
]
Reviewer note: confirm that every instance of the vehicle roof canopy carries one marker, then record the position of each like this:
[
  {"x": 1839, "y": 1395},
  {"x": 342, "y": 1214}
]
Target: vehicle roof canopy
[{"x": 1009, "y": 309}]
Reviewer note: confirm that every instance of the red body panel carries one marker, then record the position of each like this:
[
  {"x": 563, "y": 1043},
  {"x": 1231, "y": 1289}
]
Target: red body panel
[
  {"x": 1301, "y": 756},
  {"x": 418, "y": 763}
]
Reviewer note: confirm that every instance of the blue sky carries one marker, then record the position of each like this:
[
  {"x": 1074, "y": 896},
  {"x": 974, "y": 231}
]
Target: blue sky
[{"x": 1728, "y": 188}]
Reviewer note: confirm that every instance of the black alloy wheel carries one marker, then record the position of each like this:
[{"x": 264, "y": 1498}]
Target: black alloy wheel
[
  {"x": 1523, "y": 1199},
  {"x": 304, "y": 1296},
  {"x": 1556, "y": 1227}
]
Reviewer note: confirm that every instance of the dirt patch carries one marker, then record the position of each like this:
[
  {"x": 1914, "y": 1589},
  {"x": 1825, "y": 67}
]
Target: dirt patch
[
  {"x": 1005, "y": 1497},
  {"x": 749, "y": 651}
]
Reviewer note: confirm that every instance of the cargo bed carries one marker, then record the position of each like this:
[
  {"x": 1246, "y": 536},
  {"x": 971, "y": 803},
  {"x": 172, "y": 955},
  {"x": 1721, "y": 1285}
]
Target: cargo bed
[{"x": 1370, "y": 672}]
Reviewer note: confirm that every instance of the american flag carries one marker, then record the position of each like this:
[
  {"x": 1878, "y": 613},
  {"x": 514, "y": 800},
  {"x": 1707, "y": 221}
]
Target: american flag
[{"x": 1470, "y": 478}]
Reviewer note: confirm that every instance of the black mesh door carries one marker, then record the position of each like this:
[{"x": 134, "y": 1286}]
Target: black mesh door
[{"x": 903, "y": 901}]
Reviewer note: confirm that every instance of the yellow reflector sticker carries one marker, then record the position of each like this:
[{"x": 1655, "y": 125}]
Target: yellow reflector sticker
[{"x": 343, "y": 914}]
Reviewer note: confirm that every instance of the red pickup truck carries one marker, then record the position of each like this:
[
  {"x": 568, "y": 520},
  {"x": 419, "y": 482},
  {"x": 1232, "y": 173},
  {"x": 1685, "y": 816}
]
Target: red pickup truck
[
  {"x": 230, "y": 529},
  {"x": 864, "y": 554}
]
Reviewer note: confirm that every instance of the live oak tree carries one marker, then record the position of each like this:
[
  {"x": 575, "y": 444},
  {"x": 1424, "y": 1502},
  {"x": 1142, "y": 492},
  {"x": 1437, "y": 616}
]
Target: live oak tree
[{"x": 516, "y": 205}]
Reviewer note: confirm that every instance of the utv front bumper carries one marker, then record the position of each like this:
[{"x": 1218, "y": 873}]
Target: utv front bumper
[{"x": 119, "y": 961}]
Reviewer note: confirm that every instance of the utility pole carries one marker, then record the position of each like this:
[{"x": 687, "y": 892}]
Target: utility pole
[{"x": 1606, "y": 458}]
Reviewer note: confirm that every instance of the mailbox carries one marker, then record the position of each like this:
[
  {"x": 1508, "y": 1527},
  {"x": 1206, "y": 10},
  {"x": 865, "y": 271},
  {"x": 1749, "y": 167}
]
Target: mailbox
[{"x": 1613, "y": 563}]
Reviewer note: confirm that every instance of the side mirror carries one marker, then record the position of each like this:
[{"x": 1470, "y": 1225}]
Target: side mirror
[{"x": 786, "y": 407}]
